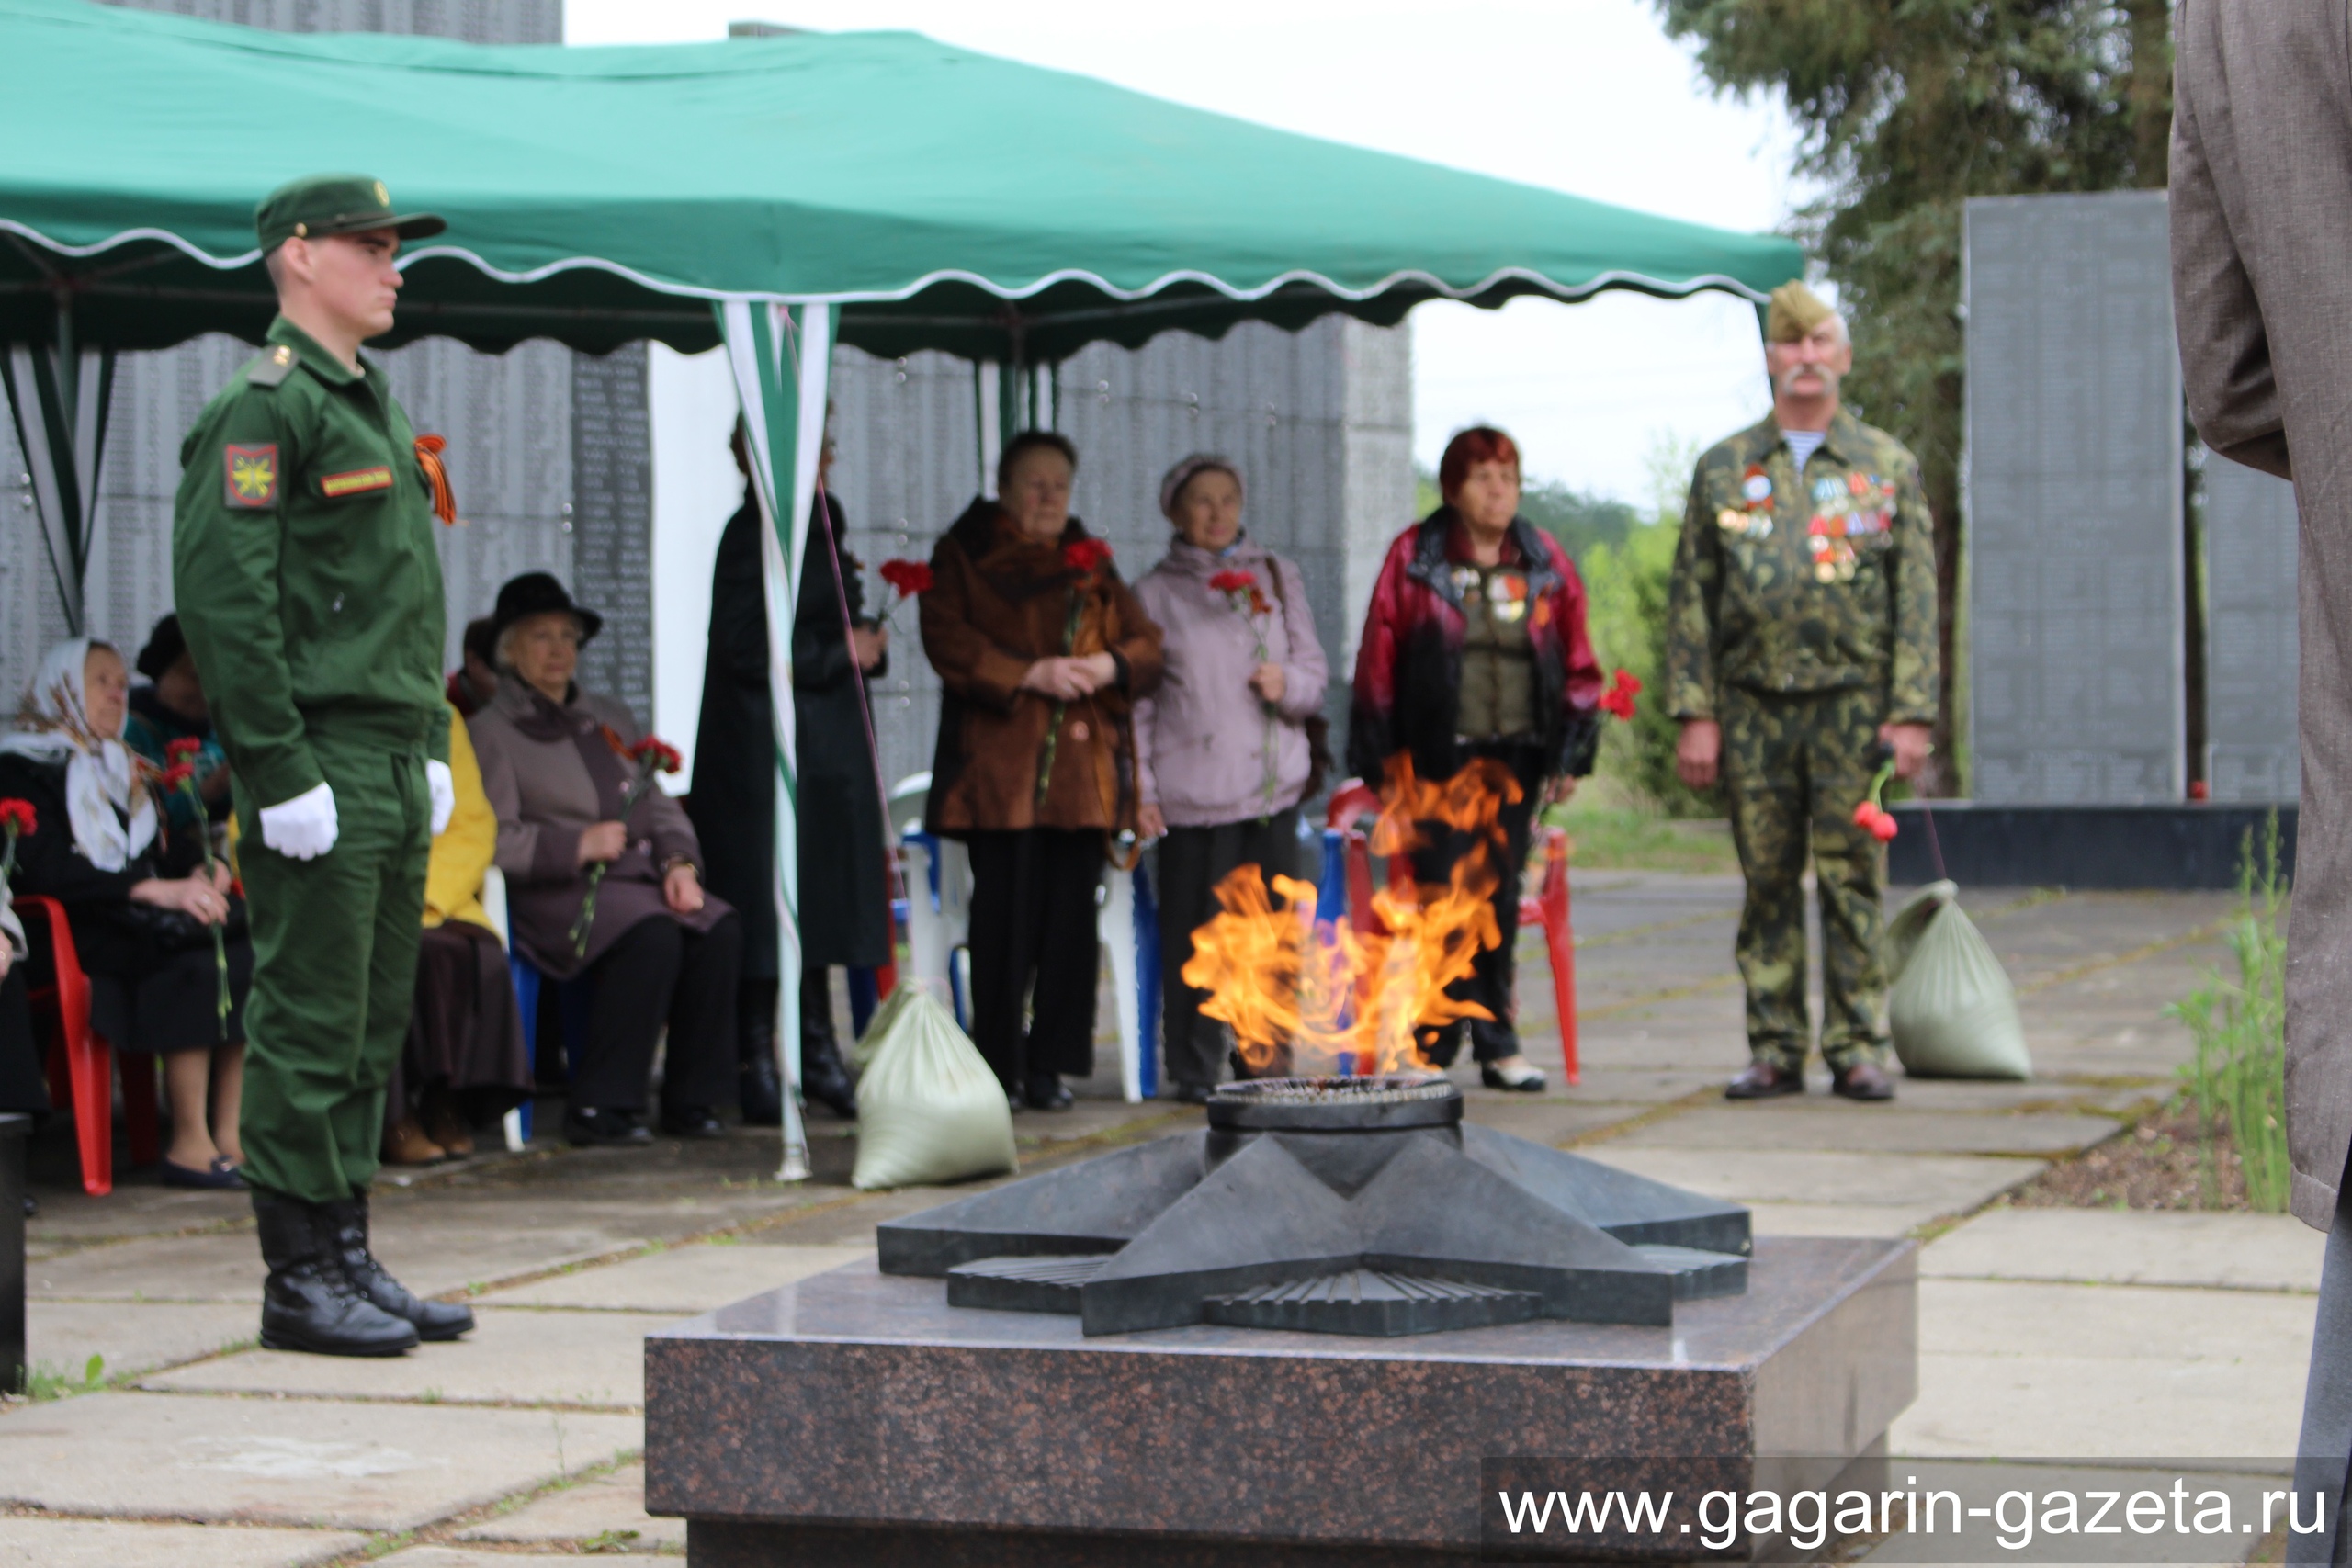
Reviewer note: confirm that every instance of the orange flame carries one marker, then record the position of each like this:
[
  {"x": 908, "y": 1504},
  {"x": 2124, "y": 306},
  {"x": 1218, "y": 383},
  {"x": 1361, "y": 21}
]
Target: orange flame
[{"x": 1331, "y": 998}]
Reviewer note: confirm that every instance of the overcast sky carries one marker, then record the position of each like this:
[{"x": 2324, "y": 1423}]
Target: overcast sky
[{"x": 1582, "y": 95}]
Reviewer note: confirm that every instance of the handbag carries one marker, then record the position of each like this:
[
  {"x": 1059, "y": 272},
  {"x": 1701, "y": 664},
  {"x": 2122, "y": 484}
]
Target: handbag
[{"x": 1318, "y": 728}]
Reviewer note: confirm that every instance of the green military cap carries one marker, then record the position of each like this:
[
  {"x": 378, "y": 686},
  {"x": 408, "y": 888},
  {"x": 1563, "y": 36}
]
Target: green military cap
[
  {"x": 335, "y": 204},
  {"x": 1795, "y": 310}
]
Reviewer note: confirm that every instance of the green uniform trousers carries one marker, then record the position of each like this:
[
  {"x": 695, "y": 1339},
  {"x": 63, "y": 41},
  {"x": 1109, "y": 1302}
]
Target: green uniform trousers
[
  {"x": 335, "y": 972},
  {"x": 1795, "y": 766}
]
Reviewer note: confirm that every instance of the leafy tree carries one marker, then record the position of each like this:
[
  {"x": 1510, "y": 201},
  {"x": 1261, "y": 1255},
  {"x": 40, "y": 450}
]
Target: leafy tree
[{"x": 1906, "y": 108}]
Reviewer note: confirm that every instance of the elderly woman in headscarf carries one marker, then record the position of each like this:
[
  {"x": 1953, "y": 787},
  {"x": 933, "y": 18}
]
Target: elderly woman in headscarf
[
  {"x": 659, "y": 950},
  {"x": 142, "y": 905},
  {"x": 1222, "y": 755}
]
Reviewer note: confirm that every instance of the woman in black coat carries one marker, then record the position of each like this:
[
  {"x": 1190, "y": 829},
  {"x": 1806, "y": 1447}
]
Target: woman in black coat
[
  {"x": 844, "y": 891},
  {"x": 141, "y": 905}
]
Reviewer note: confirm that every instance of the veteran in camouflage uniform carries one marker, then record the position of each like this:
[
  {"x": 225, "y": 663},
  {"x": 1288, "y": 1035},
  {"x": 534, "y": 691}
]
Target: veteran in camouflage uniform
[
  {"x": 1801, "y": 651},
  {"x": 309, "y": 587}
]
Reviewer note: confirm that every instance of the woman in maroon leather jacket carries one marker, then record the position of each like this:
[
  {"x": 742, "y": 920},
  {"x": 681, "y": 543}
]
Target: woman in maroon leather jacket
[{"x": 1474, "y": 647}]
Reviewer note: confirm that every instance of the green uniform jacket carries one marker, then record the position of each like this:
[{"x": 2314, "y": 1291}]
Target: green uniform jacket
[
  {"x": 1819, "y": 583},
  {"x": 304, "y": 570}
]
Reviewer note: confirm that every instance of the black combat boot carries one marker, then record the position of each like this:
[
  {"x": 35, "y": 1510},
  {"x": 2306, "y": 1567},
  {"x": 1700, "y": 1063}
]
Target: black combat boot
[
  {"x": 757, "y": 1094},
  {"x": 823, "y": 1078},
  {"x": 307, "y": 1302},
  {"x": 344, "y": 1225}
]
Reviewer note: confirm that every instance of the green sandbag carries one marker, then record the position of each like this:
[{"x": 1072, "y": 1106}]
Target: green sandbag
[
  {"x": 929, "y": 1107},
  {"x": 1952, "y": 1007}
]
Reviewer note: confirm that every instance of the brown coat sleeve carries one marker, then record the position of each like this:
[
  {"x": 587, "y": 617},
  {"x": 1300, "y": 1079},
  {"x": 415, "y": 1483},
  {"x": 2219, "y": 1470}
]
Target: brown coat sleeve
[
  {"x": 1136, "y": 638},
  {"x": 2225, "y": 366},
  {"x": 969, "y": 663}
]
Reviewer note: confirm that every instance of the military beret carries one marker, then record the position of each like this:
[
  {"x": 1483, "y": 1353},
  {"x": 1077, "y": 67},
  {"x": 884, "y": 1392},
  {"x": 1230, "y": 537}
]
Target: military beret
[
  {"x": 335, "y": 204},
  {"x": 1795, "y": 310}
]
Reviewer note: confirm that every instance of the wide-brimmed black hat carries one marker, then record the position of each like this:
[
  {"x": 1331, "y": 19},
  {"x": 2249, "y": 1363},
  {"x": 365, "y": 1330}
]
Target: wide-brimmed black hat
[
  {"x": 164, "y": 646},
  {"x": 535, "y": 593}
]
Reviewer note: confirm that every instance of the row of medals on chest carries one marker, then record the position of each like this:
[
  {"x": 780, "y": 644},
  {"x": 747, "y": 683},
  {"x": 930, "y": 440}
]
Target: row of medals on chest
[{"x": 1856, "y": 507}]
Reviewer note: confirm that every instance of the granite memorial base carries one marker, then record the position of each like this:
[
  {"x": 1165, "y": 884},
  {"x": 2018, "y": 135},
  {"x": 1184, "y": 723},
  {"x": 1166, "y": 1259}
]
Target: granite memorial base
[{"x": 858, "y": 1419}]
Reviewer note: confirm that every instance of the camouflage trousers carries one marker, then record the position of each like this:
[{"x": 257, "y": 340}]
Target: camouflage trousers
[{"x": 1794, "y": 767}]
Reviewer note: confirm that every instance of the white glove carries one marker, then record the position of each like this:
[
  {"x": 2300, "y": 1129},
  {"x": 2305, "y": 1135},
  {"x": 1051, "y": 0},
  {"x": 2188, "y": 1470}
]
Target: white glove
[
  {"x": 444, "y": 794},
  {"x": 303, "y": 828}
]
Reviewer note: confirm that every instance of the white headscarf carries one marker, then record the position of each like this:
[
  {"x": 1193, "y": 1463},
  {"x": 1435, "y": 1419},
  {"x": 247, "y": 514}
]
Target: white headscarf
[{"x": 113, "y": 819}]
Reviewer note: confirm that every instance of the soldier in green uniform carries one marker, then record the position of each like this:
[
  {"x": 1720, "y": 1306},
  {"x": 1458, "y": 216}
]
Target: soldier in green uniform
[
  {"x": 1801, "y": 650},
  {"x": 310, "y": 592}
]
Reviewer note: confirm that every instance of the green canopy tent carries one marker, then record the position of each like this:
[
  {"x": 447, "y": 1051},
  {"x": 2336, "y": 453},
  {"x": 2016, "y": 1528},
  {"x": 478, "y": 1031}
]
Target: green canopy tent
[{"x": 775, "y": 193}]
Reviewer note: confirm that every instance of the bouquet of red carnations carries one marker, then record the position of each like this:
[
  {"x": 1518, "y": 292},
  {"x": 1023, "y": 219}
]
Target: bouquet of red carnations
[{"x": 648, "y": 757}]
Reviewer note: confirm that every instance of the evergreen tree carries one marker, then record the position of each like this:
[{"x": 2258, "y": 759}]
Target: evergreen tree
[{"x": 1906, "y": 108}]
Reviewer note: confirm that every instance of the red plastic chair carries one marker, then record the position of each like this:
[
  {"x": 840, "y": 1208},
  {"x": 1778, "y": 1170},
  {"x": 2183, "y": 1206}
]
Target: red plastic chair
[
  {"x": 81, "y": 1063},
  {"x": 1547, "y": 907}
]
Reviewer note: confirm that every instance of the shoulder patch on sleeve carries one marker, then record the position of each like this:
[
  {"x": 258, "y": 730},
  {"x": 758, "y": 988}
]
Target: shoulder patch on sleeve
[
  {"x": 271, "y": 368},
  {"x": 249, "y": 476}
]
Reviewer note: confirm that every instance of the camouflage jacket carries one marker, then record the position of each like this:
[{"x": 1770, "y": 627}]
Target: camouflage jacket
[{"x": 1816, "y": 583}]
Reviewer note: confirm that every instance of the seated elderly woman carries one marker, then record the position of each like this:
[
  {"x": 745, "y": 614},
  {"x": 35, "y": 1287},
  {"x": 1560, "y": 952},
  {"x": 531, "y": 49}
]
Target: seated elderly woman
[
  {"x": 140, "y": 902},
  {"x": 170, "y": 707},
  {"x": 659, "y": 949}
]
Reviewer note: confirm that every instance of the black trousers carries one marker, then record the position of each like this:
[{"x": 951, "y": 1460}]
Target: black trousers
[
  {"x": 660, "y": 972},
  {"x": 1493, "y": 983},
  {"x": 1193, "y": 861},
  {"x": 1034, "y": 944}
]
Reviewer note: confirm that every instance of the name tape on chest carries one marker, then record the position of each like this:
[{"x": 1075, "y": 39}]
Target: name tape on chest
[{"x": 356, "y": 481}]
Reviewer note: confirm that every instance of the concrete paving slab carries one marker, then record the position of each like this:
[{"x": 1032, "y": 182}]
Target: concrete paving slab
[
  {"x": 2044, "y": 1093},
  {"x": 457, "y": 1557},
  {"x": 111, "y": 1543},
  {"x": 133, "y": 1337},
  {"x": 680, "y": 1280},
  {"x": 2078, "y": 1407},
  {"x": 1942, "y": 1183},
  {"x": 1888, "y": 1220},
  {"x": 291, "y": 1461},
  {"x": 2115, "y": 1323},
  {"x": 2109, "y": 1246},
  {"x": 515, "y": 1356},
  {"x": 611, "y": 1507},
  {"x": 220, "y": 1268},
  {"x": 1794, "y": 1124}
]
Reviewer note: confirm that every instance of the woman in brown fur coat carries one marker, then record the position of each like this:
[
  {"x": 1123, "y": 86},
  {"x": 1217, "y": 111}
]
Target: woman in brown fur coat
[{"x": 1042, "y": 652}]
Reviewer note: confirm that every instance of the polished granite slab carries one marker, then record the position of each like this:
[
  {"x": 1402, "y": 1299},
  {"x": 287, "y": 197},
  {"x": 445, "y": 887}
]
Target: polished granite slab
[{"x": 856, "y": 1418}]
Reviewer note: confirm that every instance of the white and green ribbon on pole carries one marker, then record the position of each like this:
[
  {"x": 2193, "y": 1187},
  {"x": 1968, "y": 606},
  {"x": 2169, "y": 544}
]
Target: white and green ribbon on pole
[{"x": 780, "y": 355}]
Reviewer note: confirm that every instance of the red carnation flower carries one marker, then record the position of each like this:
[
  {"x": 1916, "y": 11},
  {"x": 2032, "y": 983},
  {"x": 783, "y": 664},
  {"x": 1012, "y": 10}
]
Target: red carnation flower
[
  {"x": 909, "y": 578},
  {"x": 178, "y": 776},
  {"x": 660, "y": 755},
  {"x": 16, "y": 816},
  {"x": 1233, "y": 581},
  {"x": 1619, "y": 698},
  {"x": 1086, "y": 555},
  {"x": 183, "y": 749}
]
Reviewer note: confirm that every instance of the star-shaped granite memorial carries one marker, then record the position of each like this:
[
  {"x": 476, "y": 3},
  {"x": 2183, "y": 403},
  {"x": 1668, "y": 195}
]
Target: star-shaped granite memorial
[{"x": 1332, "y": 1205}]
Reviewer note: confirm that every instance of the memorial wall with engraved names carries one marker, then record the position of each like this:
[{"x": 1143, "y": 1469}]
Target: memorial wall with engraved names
[{"x": 2076, "y": 542}]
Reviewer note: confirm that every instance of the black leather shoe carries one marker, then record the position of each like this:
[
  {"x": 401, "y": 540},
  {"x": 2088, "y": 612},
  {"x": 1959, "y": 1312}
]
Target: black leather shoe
[
  {"x": 823, "y": 1080},
  {"x": 593, "y": 1126},
  {"x": 756, "y": 1093},
  {"x": 691, "y": 1122},
  {"x": 1049, "y": 1093},
  {"x": 1764, "y": 1080},
  {"x": 1861, "y": 1080},
  {"x": 307, "y": 1303},
  {"x": 1522, "y": 1079},
  {"x": 1190, "y": 1093},
  {"x": 346, "y": 1227}
]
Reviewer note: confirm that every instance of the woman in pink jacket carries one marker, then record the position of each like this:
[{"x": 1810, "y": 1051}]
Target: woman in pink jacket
[{"x": 1221, "y": 750}]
